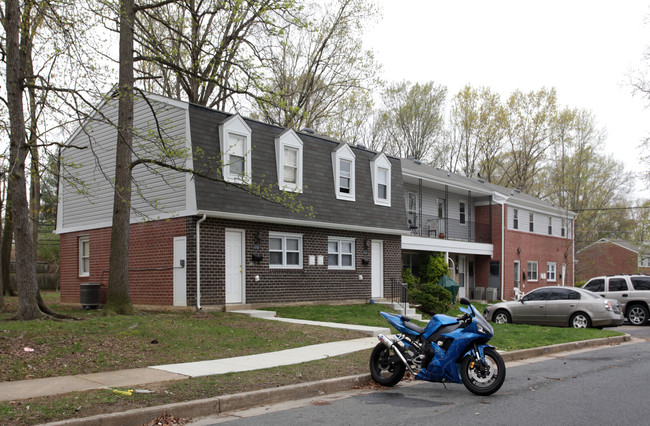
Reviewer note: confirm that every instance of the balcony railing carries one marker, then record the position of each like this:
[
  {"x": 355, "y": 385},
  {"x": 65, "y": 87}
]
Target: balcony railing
[{"x": 448, "y": 229}]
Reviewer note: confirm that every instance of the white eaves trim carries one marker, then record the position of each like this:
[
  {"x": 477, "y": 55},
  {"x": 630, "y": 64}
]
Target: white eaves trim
[{"x": 299, "y": 222}]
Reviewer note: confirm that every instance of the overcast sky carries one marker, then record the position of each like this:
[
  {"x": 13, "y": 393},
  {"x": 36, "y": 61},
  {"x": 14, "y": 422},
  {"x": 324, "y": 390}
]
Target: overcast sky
[{"x": 585, "y": 49}]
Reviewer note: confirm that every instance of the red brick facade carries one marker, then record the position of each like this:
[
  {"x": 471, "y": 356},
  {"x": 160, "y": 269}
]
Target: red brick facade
[
  {"x": 605, "y": 258},
  {"x": 151, "y": 251},
  {"x": 151, "y": 261},
  {"x": 524, "y": 247}
]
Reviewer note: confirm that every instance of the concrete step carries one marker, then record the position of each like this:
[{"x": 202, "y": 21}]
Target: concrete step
[
  {"x": 255, "y": 313},
  {"x": 410, "y": 312}
]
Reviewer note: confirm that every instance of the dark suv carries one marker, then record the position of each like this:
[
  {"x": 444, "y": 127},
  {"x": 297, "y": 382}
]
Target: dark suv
[{"x": 631, "y": 291}]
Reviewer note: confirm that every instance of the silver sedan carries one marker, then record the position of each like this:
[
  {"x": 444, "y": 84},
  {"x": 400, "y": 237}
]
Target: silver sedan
[{"x": 563, "y": 306}]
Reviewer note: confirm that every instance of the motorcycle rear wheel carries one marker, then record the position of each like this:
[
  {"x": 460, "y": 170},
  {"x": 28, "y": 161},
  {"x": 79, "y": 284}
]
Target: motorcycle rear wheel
[
  {"x": 386, "y": 368},
  {"x": 483, "y": 380}
]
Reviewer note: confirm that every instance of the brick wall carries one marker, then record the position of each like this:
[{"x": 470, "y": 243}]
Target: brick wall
[
  {"x": 533, "y": 247},
  {"x": 151, "y": 259},
  {"x": 312, "y": 283},
  {"x": 151, "y": 254},
  {"x": 605, "y": 258}
]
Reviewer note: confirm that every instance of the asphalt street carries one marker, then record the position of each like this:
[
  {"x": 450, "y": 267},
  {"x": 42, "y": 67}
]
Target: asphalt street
[{"x": 607, "y": 385}]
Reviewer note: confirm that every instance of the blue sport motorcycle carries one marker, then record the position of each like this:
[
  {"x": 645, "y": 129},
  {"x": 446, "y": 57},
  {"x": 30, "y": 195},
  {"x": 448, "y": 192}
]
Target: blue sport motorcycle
[{"x": 448, "y": 349}]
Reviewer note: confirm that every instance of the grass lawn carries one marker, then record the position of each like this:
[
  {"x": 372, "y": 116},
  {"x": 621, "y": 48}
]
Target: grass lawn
[{"x": 102, "y": 343}]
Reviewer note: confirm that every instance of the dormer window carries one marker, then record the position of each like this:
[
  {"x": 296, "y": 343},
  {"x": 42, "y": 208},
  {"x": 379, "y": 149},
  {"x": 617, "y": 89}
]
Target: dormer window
[
  {"x": 235, "y": 138},
  {"x": 380, "y": 171},
  {"x": 288, "y": 159},
  {"x": 343, "y": 166}
]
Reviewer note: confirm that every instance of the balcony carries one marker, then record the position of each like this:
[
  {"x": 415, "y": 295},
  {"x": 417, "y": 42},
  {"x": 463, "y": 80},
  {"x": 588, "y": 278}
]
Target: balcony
[{"x": 449, "y": 229}]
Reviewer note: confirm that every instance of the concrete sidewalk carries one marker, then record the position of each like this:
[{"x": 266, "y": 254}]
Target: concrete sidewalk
[{"x": 128, "y": 379}]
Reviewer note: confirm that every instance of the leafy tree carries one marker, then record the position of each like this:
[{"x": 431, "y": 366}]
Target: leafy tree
[
  {"x": 435, "y": 269},
  {"x": 432, "y": 298},
  {"x": 530, "y": 119}
]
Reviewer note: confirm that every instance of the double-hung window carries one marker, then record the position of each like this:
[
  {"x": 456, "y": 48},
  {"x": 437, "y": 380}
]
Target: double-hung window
[
  {"x": 343, "y": 167},
  {"x": 285, "y": 251},
  {"x": 551, "y": 271},
  {"x": 84, "y": 256},
  {"x": 340, "y": 253},
  {"x": 532, "y": 271},
  {"x": 380, "y": 171},
  {"x": 531, "y": 222},
  {"x": 515, "y": 219},
  {"x": 288, "y": 157},
  {"x": 550, "y": 225},
  {"x": 235, "y": 137}
]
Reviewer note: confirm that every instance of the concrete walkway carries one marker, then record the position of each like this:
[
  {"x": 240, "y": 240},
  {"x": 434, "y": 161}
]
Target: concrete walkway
[{"x": 128, "y": 379}]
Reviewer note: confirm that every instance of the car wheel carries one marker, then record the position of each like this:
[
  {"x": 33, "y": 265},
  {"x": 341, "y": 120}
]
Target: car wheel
[
  {"x": 501, "y": 317},
  {"x": 580, "y": 320},
  {"x": 637, "y": 315}
]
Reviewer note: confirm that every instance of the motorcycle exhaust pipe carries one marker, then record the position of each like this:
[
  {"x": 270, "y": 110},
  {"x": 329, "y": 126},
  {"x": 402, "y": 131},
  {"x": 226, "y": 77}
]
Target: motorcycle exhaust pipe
[{"x": 389, "y": 344}]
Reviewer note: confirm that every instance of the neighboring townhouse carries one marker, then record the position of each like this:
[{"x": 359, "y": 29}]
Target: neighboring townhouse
[
  {"x": 198, "y": 242},
  {"x": 496, "y": 239},
  {"x": 610, "y": 257}
]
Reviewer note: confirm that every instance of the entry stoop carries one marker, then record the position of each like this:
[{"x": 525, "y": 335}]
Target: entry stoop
[{"x": 399, "y": 307}]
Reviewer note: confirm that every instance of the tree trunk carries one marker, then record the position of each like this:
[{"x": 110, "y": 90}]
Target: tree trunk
[
  {"x": 6, "y": 245},
  {"x": 25, "y": 266},
  {"x": 118, "y": 297}
]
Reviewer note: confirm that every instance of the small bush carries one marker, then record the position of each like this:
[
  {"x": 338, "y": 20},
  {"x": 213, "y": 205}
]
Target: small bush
[
  {"x": 435, "y": 269},
  {"x": 410, "y": 279},
  {"x": 432, "y": 298}
]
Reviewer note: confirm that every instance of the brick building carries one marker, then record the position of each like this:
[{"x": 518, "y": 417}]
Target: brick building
[
  {"x": 200, "y": 242},
  {"x": 496, "y": 239},
  {"x": 608, "y": 257}
]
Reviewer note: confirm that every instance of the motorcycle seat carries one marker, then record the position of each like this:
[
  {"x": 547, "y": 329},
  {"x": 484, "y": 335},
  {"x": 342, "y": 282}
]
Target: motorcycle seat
[{"x": 413, "y": 327}]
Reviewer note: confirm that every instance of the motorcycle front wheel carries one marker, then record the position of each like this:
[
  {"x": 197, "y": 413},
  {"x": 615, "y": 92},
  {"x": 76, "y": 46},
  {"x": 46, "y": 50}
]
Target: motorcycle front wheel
[
  {"x": 386, "y": 368},
  {"x": 483, "y": 379}
]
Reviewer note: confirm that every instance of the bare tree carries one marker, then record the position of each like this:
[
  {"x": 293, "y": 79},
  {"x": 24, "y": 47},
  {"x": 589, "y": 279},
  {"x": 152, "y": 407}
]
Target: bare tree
[{"x": 413, "y": 115}]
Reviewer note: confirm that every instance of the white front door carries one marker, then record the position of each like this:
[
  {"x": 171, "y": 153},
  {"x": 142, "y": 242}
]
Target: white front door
[
  {"x": 180, "y": 272},
  {"x": 377, "y": 269},
  {"x": 235, "y": 266}
]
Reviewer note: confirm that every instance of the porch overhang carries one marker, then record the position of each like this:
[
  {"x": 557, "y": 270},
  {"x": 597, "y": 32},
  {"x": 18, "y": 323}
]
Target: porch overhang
[{"x": 445, "y": 246}]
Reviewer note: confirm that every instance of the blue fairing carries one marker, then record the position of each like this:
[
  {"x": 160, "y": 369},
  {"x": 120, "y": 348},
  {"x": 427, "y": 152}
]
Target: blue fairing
[{"x": 436, "y": 322}]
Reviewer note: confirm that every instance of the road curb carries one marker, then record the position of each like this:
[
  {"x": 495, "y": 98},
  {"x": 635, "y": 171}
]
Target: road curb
[
  {"x": 245, "y": 400},
  {"x": 563, "y": 347}
]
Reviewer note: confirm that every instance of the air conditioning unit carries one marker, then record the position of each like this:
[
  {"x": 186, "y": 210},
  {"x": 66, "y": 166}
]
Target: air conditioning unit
[
  {"x": 479, "y": 293},
  {"x": 491, "y": 294}
]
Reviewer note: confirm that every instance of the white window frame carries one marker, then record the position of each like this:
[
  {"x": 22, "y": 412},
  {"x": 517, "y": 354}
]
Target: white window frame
[
  {"x": 339, "y": 253},
  {"x": 235, "y": 126},
  {"x": 550, "y": 225},
  {"x": 515, "y": 218},
  {"x": 531, "y": 222},
  {"x": 284, "y": 237},
  {"x": 343, "y": 152},
  {"x": 377, "y": 165},
  {"x": 551, "y": 271},
  {"x": 536, "y": 268},
  {"x": 83, "y": 271},
  {"x": 563, "y": 229},
  {"x": 289, "y": 139},
  {"x": 412, "y": 213}
]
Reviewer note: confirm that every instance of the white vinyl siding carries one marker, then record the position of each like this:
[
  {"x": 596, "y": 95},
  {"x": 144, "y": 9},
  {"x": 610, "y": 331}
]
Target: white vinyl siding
[{"x": 86, "y": 191}]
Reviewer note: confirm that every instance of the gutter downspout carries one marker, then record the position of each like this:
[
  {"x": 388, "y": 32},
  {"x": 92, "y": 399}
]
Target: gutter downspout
[
  {"x": 198, "y": 261},
  {"x": 503, "y": 248}
]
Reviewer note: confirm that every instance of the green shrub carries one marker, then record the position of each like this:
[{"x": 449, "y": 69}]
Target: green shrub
[
  {"x": 435, "y": 269},
  {"x": 408, "y": 278},
  {"x": 432, "y": 298}
]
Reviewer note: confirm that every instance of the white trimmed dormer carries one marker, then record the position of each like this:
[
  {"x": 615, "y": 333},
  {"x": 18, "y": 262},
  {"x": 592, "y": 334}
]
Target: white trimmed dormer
[
  {"x": 235, "y": 137},
  {"x": 380, "y": 172},
  {"x": 288, "y": 159},
  {"x": 343, "y": 168}
]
